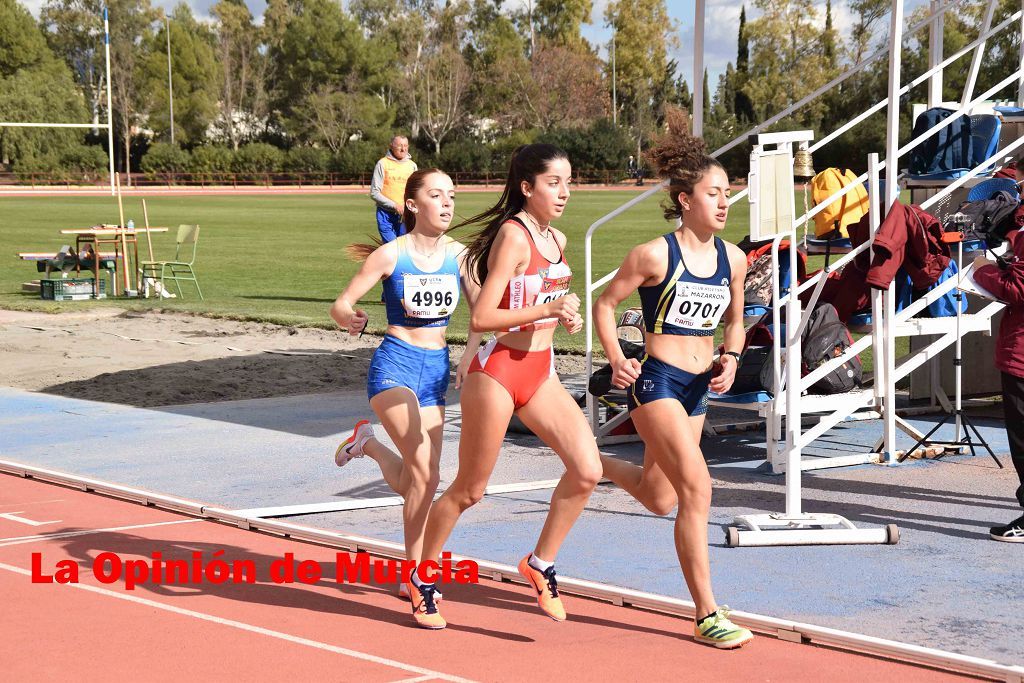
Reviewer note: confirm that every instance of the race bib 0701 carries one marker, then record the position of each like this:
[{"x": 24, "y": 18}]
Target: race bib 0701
[
  {"x": 697, "y": 306},
  {"x": 430, "y": 296}
]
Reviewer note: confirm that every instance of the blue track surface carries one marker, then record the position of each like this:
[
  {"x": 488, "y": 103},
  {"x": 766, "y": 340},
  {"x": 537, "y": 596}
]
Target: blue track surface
[{"x": 944, "y": 585}]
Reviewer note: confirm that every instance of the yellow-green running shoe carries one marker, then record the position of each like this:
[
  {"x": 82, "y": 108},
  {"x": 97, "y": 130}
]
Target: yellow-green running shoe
[{"x": 716, "y": 630}]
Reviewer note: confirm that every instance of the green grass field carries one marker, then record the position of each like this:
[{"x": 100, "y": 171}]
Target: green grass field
[{"x": 280, "y": 259}]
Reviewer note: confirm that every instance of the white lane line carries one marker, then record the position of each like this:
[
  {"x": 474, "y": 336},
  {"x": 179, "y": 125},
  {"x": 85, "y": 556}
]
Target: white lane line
[
  {"x": 15, "y": 517},
  {"x": 319, "y": 508},
  {"x": 355, "y": 654},
  {"x": 418, "y": 679},
  {"x": 387, "y": 501},
  {"x": 17, "y": 540}
]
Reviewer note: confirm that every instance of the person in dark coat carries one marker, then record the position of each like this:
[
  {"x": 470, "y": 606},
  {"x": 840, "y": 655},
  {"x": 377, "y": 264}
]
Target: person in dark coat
[{"x": 1007, "y": 284}]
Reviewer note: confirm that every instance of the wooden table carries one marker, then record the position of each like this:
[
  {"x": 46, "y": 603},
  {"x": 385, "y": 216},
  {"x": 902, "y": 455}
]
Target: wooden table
[{"x": 115, "y": 235}]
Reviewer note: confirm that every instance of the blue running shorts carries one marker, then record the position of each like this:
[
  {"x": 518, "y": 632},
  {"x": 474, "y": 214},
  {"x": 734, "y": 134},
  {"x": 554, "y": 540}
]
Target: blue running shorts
[
  {"x": 659, "y": 380},
  {"x": 399, "y": 364}
]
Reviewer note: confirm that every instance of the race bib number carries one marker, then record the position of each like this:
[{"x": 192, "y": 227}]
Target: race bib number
[
  {"x": 697, "y": 306},
  {"x": 552, "y": 288},
  {"x": 430, "y": 296}
]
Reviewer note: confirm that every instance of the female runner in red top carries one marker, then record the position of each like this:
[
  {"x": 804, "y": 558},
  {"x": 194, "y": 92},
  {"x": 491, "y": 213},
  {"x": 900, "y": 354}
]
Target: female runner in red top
[{"x": 519, "y": 259}]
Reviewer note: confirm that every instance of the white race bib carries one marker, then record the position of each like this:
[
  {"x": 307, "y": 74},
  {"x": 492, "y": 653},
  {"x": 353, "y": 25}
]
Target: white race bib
[
  {"x": 430, "y": 296},
  {"x": 697, "y": 306},
  {"x": 551, "y": 288}
]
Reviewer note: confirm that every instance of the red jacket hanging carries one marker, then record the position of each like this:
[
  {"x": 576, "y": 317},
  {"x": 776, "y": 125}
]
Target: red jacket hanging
[
  {"x": 912, "y": 239},
  {"x": 909, "y": 238}
]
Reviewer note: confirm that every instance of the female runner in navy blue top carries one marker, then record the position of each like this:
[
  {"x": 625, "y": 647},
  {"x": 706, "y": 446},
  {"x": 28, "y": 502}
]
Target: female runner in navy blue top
[
  {"x": 689, "y": 280},
  {"x": 423, "y": 275}
]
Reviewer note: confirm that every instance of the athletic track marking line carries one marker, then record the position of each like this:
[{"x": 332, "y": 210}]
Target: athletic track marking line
[{"x": 425, "y": 674}]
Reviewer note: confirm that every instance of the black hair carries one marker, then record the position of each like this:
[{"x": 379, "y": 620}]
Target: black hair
[{"x": 528, "y": 161}]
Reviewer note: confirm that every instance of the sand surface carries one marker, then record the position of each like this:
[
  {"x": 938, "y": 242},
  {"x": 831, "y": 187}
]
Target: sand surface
[{"x": 157, "y": 359}]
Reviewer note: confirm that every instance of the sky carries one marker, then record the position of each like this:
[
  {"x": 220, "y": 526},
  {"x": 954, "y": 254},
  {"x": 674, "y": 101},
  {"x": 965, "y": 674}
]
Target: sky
[{"x": 721, "y": 23}]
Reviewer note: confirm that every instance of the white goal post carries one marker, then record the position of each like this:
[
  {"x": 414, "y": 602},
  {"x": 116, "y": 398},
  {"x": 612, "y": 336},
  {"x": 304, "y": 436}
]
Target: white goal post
[{"x": 108, "y": 125}]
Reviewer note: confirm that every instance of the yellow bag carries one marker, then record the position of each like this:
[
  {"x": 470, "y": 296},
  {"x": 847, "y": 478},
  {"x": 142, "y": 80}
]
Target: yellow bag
[{"x": 842, "y": 212}]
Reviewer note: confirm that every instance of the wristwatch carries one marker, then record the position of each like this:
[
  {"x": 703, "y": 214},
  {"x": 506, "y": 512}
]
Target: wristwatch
[{"x": 735, "y": 355}]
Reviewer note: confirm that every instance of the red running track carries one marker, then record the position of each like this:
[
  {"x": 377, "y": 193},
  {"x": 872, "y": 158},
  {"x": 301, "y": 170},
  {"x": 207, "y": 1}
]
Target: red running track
[{"x": 271, "y": 631}]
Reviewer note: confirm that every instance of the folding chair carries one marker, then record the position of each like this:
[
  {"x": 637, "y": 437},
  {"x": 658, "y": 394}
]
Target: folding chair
[
  {"x": 986, "y": 188},
  {"x": 177, "y": 269},
  {"x": 956, "y": 149}
]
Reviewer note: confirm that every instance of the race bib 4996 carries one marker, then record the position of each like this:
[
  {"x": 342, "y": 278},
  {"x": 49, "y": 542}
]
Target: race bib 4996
[{"x": 430, "y": 296}]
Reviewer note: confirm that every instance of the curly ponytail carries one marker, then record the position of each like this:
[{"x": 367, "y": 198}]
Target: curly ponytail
[{"x": 681, "y": 158}]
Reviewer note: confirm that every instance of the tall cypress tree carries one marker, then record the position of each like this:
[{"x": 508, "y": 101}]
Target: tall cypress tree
[
  {"x": 742, "y": 45},
  {"x": 828, "y": 39},
  {"x": 743, "y": 108},
  {"x": 707, "y": 95}
]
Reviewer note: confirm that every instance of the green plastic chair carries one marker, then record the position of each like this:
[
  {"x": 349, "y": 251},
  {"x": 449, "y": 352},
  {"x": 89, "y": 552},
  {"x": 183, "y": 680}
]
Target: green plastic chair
[{"x": 176, "y": 270}]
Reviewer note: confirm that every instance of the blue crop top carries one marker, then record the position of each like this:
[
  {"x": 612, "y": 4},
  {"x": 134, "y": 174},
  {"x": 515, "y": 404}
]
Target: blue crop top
[
  {"x": 416, "y": 298},
  {"x": 683, "y": 303}
]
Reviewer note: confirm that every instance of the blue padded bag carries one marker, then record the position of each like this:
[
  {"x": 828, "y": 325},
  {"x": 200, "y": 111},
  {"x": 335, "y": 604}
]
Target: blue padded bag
[
  {"x": 945, "y": 154},
  {"x": 945, "y": 305}
]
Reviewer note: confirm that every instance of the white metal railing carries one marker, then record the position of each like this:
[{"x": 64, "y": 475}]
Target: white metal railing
[
  {"x": 888, "y": 364},
  {"x": 817, "y": 281},
  {"x": 856, "y": 68}
]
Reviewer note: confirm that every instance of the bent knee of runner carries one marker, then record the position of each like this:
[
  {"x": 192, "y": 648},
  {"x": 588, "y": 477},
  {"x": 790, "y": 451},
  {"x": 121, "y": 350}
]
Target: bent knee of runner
[
  {"x": 695, "y": 495},
  {"x": 659, "y": 504},
  {"x": 584, "y": 477},
  {"x": 466, "y": 496}
]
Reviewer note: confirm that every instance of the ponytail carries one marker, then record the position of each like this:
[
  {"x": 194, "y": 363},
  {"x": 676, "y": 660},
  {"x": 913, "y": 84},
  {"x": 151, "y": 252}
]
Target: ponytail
[
  {"x": 362, "y": 251},
  {"x": 528, "y": 161}
]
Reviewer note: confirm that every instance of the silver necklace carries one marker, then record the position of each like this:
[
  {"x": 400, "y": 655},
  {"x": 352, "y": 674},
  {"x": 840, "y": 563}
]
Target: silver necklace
[
  {"x": 423, "y": 253},
  {"x": 546, "y": 234}
]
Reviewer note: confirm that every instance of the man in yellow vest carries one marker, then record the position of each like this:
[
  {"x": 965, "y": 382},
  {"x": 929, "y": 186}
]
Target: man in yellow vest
[{"x": 387, "y": 188}]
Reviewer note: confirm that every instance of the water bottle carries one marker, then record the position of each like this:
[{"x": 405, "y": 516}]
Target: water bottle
[{"x": 131, "y": 225}]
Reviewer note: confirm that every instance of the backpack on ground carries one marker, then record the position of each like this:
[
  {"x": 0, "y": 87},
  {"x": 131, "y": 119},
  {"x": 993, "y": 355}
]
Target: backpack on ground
[
  {"x": 757, "y": 285},
  {"x": 992, "y": 218},
  {"x": 755, "y": 371},
  {"x": 825, "y": 337},
  {"x": 835, "y": 218}
]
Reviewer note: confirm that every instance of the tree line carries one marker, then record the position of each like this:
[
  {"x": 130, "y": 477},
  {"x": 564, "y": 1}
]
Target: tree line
[{"x": 316, "y": 85}]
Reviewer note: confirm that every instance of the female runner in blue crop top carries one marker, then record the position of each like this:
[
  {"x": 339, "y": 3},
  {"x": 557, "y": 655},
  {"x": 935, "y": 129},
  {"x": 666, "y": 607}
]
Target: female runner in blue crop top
[
  {"x": 688, "y": 281},
  {"x": 423, "y": 274}
]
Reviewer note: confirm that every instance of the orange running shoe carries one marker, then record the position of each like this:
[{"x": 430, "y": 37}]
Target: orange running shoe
[
  {"x": 352, "y": 447},
  {"x": 547, "y": 588},
  {"x": 424, "y": 607},
  {"x": 403, "y": 593}
]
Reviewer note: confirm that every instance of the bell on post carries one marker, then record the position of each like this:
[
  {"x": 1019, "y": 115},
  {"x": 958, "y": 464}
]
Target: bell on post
[{"x": 803, "y": 165}]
